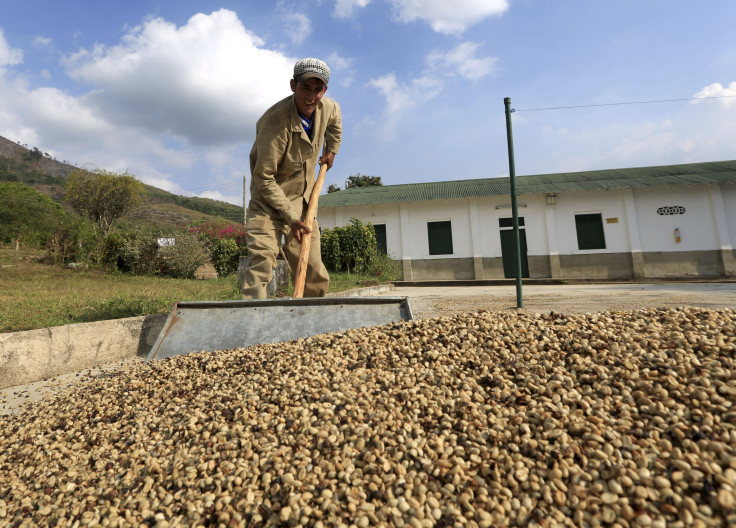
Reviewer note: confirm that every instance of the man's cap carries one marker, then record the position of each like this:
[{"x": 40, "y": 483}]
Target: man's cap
[{"x": 308, "y": 68}]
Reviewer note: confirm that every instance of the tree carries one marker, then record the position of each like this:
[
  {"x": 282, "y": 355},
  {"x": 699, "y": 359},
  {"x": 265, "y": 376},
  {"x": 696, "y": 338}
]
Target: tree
[
  {"x": 103, "y": 196},
  {"x": 361, "y": 180},
  {"x": 33, "y": 155},
  {"x": 332, "y": 188}
]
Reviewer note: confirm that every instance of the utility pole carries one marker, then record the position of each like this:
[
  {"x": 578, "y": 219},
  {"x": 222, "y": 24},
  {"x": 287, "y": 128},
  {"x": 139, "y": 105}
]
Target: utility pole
[{"x": 514, "y": 208}]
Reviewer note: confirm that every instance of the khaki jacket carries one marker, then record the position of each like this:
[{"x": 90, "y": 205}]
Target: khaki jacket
[{"x": 283, "y": 159}]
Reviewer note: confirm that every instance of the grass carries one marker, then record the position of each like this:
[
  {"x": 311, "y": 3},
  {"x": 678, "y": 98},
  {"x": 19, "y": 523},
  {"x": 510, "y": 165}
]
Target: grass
[{"x": 36, "y": 295}]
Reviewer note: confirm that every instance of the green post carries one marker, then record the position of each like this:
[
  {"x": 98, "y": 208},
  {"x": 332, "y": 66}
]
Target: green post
[{"x": 514, "y": 208}]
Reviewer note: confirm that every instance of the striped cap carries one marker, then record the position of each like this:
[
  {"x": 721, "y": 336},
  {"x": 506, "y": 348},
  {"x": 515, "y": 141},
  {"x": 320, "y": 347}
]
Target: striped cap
[{"x": 307, "y": 68}]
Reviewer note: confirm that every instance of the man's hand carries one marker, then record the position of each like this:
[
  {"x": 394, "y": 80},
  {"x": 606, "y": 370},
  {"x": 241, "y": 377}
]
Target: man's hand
[
  {"x": 328, "y": 158},
  {"x": 300, "y": 229}
]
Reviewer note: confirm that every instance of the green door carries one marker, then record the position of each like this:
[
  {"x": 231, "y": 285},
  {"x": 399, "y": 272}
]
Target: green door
[
  {"x": 508, "y": 253},
  {"x": 380, "y": 230}
]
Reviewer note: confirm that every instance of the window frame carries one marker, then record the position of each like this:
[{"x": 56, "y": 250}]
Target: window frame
[
  {"x": 435, "y": 246},
  {"x": 584, "y": 226}
]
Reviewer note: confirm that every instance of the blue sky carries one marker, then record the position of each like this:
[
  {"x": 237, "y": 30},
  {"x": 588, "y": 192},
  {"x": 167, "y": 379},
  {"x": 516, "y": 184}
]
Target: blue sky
[{"x": 171, "y": 91}]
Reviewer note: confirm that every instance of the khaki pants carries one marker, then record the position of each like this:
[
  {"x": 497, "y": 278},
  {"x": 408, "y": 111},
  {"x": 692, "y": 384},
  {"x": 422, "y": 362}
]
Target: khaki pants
[{"x": 262, "y": 236}]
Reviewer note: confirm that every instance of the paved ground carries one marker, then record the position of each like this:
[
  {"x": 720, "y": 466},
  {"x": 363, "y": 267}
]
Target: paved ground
[
  {"x": 437, "y": 301},
  {"x": 580, "y": 298}
]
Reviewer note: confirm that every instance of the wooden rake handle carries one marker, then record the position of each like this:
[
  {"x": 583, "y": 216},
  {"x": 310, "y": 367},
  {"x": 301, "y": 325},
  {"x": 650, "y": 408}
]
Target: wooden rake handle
[{"x": 301, "y": 268}]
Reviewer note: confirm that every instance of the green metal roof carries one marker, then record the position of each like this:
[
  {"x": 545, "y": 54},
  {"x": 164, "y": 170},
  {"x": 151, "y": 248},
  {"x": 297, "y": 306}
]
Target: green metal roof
[{"x": 666, "y": 175}]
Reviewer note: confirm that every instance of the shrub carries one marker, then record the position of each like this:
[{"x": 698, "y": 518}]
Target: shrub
[
  {"x": 72, "y": 241},
  {"x": 131, "y": 252},
  {"x": 183, "y": 258},
  {"x": 349, "y": 248},
  {"x": 137, "y": 254},
  {"x": 109, "y": 249},
  {"x": 225, "y": 241},
  {"x": 61, "y": 246},
  {"x": 386, "y": 268},
  {"x": 219, "y": 229},
  {"x": 360, "y": 245},
  {"x": 225, "y": 256},
  {"x": 330, "y": 249}
]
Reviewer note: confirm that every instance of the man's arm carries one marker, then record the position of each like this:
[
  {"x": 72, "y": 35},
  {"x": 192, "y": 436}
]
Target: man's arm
[{"x": 333, "y": 136}]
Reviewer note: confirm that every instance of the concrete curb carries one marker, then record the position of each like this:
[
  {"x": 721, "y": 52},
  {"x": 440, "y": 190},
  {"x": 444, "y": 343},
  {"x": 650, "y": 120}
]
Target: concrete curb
[
  {"x": 363, "y": 292},
  {"x": 35, "y": 355}
]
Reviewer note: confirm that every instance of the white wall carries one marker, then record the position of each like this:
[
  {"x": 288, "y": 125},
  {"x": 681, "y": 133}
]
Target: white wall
[
  {"x": 728, "y": 191},
  {"x": 656, "y": 232},
  {"x": 610, "y": 205},
  {"x": 376, "y": 214}
]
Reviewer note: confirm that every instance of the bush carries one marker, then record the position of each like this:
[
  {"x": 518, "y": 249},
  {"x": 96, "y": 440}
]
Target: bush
[
  {"x": 386, "y": 268},
  {"x": 225, "y": 255},
  {"x": 359, "y": 247},
  {"x": 330, "y": 249},
  {"x": 349, "y": 248},
  {"x": 182, "y": 259},
  {"x": 61, "y": 246},
  {"x": 130, "y": 252},
  {"x": 137, "y": 254},
  {"x": 225, "y": 241},
  {"x": 109, "y": 249},
  {"x": 219, "y": 229},
  {"x": 71, "y": 242}
]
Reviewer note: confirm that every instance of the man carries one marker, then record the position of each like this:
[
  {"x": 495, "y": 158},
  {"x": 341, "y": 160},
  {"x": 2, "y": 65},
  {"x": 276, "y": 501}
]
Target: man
[{"x": 282, "y": 166}]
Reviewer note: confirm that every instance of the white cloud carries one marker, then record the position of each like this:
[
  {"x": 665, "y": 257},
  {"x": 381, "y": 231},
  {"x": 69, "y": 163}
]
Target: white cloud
[
  {"x": 401, "y": 98},
  {"x": 28, "y": 114},
  {"x": 297, "y": 26},
  {"x": 692, "y": 133},
  {"x": 342, "y": 65},
  {"x": 9, "y": 56},
  {"x": 718, "y": 90},
  {"x": 165, "y": 102},
  {"x": 462, "y": 59},
  {"x": 449, "y": 18},
  {"x": 345, "y": 8},
  {"x": 200, "y": 82},
  {"x": 645, "y": 139},
  {"x": 336, "y": 62},
  {"x": 41, "y": 41}
]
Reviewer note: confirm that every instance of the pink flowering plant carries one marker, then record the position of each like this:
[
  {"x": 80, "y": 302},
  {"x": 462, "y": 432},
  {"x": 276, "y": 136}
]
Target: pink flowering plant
[
  {"x": 225, "y": 241},
  {"x": 219, "y": 229}
]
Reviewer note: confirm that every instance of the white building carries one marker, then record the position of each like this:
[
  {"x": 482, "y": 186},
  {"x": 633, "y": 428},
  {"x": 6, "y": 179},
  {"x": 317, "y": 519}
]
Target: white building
[{"x": 649, "y": 222}]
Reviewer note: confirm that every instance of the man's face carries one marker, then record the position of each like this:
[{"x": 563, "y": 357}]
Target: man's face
[{"x": 307, "y": 94}]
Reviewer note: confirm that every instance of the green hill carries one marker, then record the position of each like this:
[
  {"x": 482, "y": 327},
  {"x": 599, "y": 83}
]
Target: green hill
[
  {"x": 28, "y": 215},
  {"x": 161, "y": 211}
]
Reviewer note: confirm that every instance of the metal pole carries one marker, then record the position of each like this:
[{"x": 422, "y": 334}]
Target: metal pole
[{"x": 514, "y": 208}]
